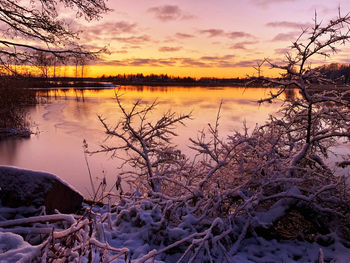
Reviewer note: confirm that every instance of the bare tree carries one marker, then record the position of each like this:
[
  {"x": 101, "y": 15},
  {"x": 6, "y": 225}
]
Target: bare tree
[
  {"x": 147, "y": 145},
  {"x": 43, "y": 62},
  {"x": 39, "y": 22},
  {"x": 79, "y": 60},
  {"x": 316, "y": 110},
  {"x": 235, "y": 186},
  {"x": 258, "y": 67}
]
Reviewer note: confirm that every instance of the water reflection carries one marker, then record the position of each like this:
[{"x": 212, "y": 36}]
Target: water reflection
[
  {"x": 10, "y": 146},
  {"x": 69, "y": 116}
]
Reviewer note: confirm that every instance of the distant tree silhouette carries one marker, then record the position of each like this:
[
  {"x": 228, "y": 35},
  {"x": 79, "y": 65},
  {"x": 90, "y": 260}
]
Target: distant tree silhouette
[
  {"x": 339, "y": 73},
  {"x": 259, "y": 64},
  {"x": 34, "y": 27},
  {"x": 42, "y": 61}
]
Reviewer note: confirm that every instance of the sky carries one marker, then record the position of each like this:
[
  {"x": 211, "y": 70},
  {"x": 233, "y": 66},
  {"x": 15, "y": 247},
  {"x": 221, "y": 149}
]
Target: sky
[{"x": 202, "y": 38}]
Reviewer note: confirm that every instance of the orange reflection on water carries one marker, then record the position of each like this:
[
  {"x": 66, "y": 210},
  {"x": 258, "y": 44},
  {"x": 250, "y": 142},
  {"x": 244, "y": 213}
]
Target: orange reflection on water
[
  {"x": 69, "y": 116},
  {"x": 159, "y": 91},
  {"x": 239, "y": 104}
]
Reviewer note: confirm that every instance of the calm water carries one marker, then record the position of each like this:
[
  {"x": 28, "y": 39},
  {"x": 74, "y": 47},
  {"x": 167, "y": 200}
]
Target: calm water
[{"x": 70, "y": 116}]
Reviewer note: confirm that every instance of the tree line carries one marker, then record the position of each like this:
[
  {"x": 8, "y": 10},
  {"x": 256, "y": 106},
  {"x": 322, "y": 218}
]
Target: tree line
[{"x": 339, "y": 73}]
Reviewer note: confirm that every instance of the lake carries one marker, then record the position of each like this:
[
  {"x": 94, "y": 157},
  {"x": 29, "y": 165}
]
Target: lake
[{"x": 69, "y": 116}]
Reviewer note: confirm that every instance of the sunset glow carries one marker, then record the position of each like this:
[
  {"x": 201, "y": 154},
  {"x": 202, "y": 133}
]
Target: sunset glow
[{"x": 202, "y": 38}]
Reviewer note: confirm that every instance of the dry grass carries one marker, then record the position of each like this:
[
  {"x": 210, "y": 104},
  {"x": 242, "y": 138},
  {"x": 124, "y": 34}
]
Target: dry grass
[{"x": 15, "y": 97}]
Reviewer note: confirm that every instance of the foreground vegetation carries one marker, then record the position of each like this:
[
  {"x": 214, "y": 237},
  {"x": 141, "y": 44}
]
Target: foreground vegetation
[
  {"x": 36, "y": 37},
  {"x": 15, "y": 98}
]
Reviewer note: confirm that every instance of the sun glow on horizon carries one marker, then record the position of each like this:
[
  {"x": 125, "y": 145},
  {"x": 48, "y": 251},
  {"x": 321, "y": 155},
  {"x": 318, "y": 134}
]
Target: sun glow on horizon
[
  {"x": 196, "y": 39},
  {"x": 97, "y": 71},
  {"x": 203, "y": 39}
]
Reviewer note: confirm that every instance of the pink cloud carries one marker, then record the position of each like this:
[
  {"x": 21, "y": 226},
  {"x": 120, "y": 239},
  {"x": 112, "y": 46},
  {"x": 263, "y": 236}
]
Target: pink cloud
[
  {"x": 290, "y": 36},
  {"x": 212, "y": 32},
  {"x": 183, "y": 35},
  {"x": 133, "y": 39},
  {"x": 167, "y": 13},
  {"x": 238, "y": 34},
  {"x": 169, "y": 49},
  {"x": 242, "y": 45},
  {"x": 287, "y": 24},
  {"x": 266, "y": 3}
]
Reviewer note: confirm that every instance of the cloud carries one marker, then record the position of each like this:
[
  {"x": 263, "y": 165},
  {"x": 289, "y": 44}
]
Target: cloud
[
  {"x": 167, "y": 13},
  {"x": 238, "y": 34},
  {"x": 185, "y": 62},
  {"x": 183, "y": 35},
  {"x": 212, "y": 32},
  {"x": 265, "y": 3},
  {"x": 169, "y": 49},
  {"x": 123, "y": 51},
  {"x": 143, "y": 62},
  {"x": 217, "y": 58},
  {"x": 109, "y": 28},
  {"x": 288, "y": 24},
  {"x": 281, "y": 51},
  {"x": 242, "y": 45},
  {"x": 139, "y": 62},
  {"x": 122, "y": 31},
  {"x": 246, "y": 63},
  {"x": 170, "y": 40},
  {"x": 345, "y": 60},
  {"x": 290, "y": 36},
  {"x": 210, "y": 61},
  {"x": 324, "y": 10},
  {"x": 135, "y": 40},
  {"x": 205, "y": 61},
  {"x": 279, "y": 61}
]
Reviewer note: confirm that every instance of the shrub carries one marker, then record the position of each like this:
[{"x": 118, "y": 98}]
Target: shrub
[{"x": 15, "y": 99}]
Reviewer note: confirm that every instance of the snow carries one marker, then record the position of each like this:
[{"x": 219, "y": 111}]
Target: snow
[
  {"x": 30, "y": 179},
  {"x": 261, "y": 250},
  {"x": 266, "y": 219},
  {"x": 14, "y": 249},
  {"x": 137, "y": 228},
  {"x": 10, "y": 241}
]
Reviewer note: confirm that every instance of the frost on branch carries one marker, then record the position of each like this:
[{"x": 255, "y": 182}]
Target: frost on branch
[
  {"x": 249, "y": 184},
  {"x": 146, "y": 145}
]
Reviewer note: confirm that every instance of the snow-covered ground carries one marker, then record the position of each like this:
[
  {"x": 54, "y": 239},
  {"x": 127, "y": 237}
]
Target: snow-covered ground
[{"x": 136, "y": 232}]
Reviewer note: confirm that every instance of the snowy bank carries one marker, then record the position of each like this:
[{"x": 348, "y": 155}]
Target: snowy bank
[{"x": 20, "y": 187}]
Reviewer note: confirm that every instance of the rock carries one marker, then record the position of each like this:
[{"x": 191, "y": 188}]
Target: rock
[{"x": 20, "y": 187}]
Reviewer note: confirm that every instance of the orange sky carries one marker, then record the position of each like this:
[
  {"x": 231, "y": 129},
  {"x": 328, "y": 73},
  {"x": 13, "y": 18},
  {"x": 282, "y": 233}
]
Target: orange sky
[{"x": 199, "y": 38}]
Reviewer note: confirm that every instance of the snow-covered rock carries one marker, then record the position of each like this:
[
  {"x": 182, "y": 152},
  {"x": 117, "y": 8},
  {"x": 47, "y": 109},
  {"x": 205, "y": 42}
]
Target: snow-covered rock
[{"x": 20, "y": 187}]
